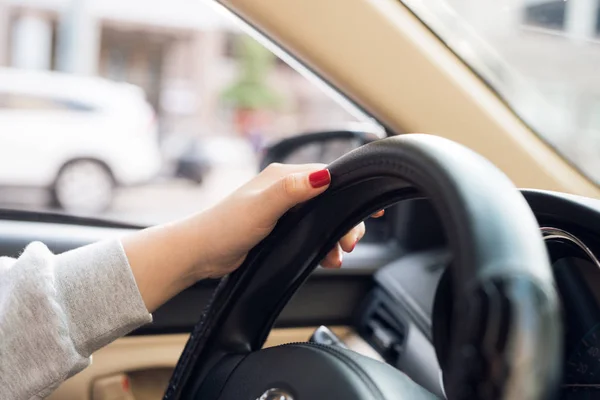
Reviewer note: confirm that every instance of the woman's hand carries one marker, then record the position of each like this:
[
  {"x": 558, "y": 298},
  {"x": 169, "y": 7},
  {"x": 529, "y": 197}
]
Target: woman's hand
[
  {"x": 249, "y": 214},
  {"x": 168, "y": 258}
]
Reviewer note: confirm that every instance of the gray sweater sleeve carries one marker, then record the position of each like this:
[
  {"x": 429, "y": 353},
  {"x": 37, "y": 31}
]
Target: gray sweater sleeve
[{"x": 56, "y": 310}]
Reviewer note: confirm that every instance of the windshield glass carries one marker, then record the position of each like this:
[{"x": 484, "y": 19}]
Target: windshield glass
[
  {"x": 541, "y": 56},
  {"x": 140, "y": 111}
]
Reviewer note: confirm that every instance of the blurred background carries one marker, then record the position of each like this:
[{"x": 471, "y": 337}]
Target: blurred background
[
  {"x": 146, "y": 110},
  {"x": 139, "y": 110}
]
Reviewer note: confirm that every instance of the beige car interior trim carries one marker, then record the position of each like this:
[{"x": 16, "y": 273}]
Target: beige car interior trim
[
  {"x": 384, "y": 58},
  {"x": 149, "y": 360}
]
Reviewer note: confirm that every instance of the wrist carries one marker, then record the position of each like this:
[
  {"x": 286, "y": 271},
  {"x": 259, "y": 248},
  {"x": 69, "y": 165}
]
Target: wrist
[
  {"x": 200, "y": 238},
  {"x": 165, "y": 260}
]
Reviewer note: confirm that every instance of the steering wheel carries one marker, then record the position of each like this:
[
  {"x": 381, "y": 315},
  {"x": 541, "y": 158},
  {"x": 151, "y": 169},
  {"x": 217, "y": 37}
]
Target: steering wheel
[{"x": 505, "y": 336}]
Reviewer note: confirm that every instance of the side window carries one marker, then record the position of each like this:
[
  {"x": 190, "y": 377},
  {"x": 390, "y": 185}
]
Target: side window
[
  {"x": 188, "y": 102},
  {"x": 4, "y": 102},
  {"x": 34, "y": 103},
  {"x": 73, "y": 105},
  {"x": 12, "y": 101},
  {"x": 575, "y": 18},
  {"x": 547, "y": 14}
]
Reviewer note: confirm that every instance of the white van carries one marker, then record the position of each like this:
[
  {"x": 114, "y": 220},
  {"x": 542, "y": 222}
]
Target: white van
[{"x": 77, "y": 136}]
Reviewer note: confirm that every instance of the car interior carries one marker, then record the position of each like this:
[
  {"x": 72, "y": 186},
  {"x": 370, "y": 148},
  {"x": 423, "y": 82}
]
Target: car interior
[{"x": 481, "y": 281}]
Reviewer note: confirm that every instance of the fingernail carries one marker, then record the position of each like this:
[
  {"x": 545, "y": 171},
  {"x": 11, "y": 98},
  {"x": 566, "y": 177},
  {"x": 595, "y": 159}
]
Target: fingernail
[
  {"x": 319, "y": 178},
  {"x": 378, "y": 214},
  {"x": 353, "y": 246}
]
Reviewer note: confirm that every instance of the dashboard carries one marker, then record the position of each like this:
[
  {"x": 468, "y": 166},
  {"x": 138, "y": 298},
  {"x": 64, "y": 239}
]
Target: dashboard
[
  {"x": 419, "y": 286},
  {"x": 577, "y": 275}
]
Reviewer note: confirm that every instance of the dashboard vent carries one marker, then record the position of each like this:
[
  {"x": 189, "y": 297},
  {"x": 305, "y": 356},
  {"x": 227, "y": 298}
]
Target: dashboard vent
[{"x": 381, "y": 327}]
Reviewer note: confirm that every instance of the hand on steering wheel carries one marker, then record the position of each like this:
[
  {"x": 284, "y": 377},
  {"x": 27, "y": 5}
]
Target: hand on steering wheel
[
  {"x": 215, "y": 242},
  {"x": 249, "y": 214}
]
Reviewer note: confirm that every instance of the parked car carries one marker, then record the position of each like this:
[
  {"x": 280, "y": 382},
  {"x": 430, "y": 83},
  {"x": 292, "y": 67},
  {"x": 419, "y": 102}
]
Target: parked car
[
  {"x": 192, "y": 163},
  {"x": 79, "y": 137},
  {"x": 185, "y": 157},
  {"x": 192, "y": 158}
]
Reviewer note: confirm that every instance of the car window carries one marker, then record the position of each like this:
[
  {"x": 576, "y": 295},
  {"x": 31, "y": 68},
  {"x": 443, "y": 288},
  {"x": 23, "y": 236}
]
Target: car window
[
  {"x": 542, "y": 58},
  {"x": 16, "y": 101},
  {"x": 172, "y": 104}
]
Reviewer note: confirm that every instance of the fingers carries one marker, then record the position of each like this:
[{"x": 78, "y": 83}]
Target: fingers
[
  {"x": 350, "y": 239},
  {"x": 284, "y": 186},
  {"x": 276, "y": 170},
  {"x": 334, "y": 258},
  {"x": 378, "y": 214},
  {"x": 294, "y": 188}
]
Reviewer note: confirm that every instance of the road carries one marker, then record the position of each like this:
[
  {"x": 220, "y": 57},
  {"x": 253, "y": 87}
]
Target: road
[{"x": 161, "y": 201}]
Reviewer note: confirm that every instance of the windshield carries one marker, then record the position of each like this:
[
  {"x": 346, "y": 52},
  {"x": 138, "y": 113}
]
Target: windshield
[
  {"x": 541, "y": 56},
  {"x": 140, "y": 111}
]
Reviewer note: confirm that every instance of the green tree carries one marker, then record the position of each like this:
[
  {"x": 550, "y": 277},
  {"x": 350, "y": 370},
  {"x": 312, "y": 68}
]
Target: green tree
[{"x": 251, "y": 91}]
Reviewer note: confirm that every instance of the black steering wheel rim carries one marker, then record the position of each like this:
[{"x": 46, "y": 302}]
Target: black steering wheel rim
[{"x": 502, "y": 279}]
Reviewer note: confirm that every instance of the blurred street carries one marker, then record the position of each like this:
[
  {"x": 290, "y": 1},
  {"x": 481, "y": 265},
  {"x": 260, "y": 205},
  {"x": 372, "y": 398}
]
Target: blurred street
[
  {"x": 161, "y": 201},
  {"x": 113, "y": 91},
  {"x": 172, "y": 199}
]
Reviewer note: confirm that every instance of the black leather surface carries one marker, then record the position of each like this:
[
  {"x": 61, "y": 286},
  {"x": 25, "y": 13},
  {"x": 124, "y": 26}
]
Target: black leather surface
[
  {"x": 310, "y": 371},
  {"x": 280, "y": 151},
  {"x": 502, "y": 280}
]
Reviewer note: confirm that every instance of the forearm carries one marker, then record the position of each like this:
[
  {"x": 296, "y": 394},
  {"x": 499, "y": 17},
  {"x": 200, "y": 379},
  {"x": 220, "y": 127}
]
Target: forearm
[{"x": 165, "y": 259}]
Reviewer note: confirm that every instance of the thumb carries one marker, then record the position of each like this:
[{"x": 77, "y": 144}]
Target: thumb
[{"x": 296, "y": 188}]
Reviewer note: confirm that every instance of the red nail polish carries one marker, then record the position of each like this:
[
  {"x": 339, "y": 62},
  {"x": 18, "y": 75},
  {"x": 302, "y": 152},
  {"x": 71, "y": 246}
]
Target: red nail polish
[{"x": 320, "y": 178}]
